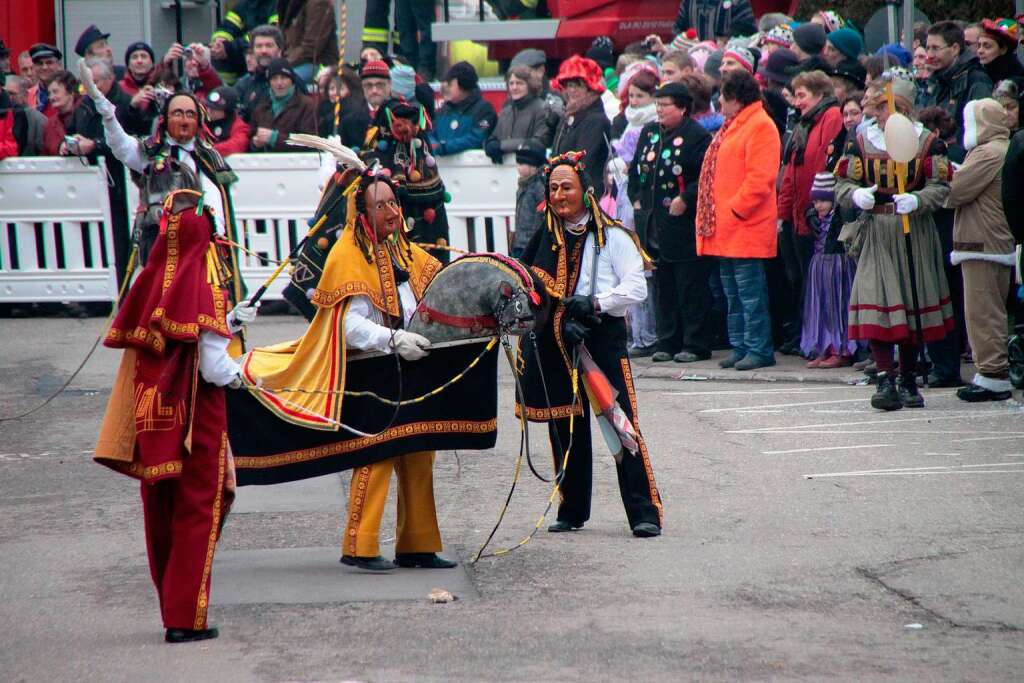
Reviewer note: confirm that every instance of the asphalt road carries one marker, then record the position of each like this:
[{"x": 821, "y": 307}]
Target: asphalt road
[{"x": 807, "y": 537}]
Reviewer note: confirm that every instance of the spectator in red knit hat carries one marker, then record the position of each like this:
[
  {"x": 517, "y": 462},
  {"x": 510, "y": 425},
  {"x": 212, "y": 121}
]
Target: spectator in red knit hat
[{"x": 585, "y": 126}]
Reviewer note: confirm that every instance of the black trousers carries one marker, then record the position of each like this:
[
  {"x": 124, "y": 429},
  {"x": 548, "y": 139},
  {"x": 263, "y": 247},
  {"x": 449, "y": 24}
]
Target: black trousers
[
  {"x": 639, "y": 492},
  {"x": 683, "y": 301},
  {"x": 788, "y": 299},
  {"x": 413, "y": 19}
]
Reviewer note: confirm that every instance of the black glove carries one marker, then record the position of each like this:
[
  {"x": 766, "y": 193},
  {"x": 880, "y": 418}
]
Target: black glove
[
  {"x": 574, "y": 333},
  {"x": 580, "y": 308},
  {"x": 493, "y": 150}
]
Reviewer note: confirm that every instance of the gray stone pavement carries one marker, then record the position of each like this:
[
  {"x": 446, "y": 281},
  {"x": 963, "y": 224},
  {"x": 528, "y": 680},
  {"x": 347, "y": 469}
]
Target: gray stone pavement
[{"x": 806, "y": 537}]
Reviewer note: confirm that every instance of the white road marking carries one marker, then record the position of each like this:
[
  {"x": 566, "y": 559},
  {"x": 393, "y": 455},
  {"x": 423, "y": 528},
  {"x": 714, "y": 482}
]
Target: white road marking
[
  {"x": 931, "y": 418},
  {"x": 935, "y": 469},
  {"x": 828, "y": 448},
  {"x": 734, "y": 392},
  {"x": 990, "y": 438},
  {"x": 784, "y": 431},
  {"x": 733, "y": 409}
]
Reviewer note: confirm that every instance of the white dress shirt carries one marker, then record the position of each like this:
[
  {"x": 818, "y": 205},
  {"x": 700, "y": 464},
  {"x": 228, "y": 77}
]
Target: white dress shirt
[
  {"x": 364, "y": 323},
  {"x": 215, "y": 365},
  {"x": 620, "y": 273},
  {"x": 128, "y": 150}
]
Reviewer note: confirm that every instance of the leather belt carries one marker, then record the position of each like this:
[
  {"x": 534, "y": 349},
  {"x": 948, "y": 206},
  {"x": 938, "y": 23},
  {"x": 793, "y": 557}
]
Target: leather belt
[{"x": 885, "y": 209}]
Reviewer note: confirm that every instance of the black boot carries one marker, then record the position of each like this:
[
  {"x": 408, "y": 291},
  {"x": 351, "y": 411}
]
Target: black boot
[
  {"x": 887, "y": 396},
  {"x": 909, "y": 396},
  {"x": 187, "y": 635}
]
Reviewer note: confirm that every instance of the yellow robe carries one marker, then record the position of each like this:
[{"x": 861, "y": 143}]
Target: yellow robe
[{"x": 316, "y": 361}]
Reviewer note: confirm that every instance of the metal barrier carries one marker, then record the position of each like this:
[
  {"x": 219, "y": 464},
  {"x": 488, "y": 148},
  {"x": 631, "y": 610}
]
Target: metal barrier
[
  {"x": 55, "y": 231},
  {"x": 55, "y": 215}
]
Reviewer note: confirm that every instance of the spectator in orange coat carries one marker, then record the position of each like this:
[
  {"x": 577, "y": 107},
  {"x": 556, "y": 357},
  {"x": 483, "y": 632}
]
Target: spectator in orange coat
[{"x": 736, "y": 214}]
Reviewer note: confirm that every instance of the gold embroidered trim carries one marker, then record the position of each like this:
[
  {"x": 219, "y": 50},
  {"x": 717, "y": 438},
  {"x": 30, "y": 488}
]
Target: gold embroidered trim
[
  {"x": 627, "y": 374},
  {"x": 544, "y": 414},
  {"x": 164, "y": 469},
  {"x": 173, "y": 221},
  {"x": 357, "y": 501},
  {"x": 204, "y": 596},
  {"x": 400, "y": 432}
]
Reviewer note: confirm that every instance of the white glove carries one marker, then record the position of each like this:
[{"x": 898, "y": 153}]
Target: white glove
[
  {"x": 864, "y": 197},
  {"x": 906, "y": 203},
  {"x": 241, "y": 315},
  {"x": 104, "y": 106},
  {"x": 236, "y": 382},
  {"x": 410, "y": 346}
]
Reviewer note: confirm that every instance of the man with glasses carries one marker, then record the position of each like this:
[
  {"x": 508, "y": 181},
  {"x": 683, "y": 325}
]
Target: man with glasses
[
  {"x": 376, "y": 79},
  {"x": 957, "y": 75}
]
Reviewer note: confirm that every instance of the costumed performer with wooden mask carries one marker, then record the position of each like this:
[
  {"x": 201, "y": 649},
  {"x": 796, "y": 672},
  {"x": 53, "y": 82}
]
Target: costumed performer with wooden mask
[
  {"x": 166, "y": 421},
  {"x": 177, "y": 156},
  {"x": 372, "y": 281},
  {"x": 578, "y": 240}
]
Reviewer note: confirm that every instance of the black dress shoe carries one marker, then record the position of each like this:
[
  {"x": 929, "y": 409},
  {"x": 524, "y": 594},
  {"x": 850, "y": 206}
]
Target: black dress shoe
[
  {"x": 661, "y": 356},
  {"x": 423, "y": 561},
  {"x": 972, "y": 393},
  {"x": 689, "y": 357},
  {"x": 561, "y": 526},
  {"x": 646, "y": 530},
  {"x": 373, "y": 564},
  {"x": 187, "y": 635}
]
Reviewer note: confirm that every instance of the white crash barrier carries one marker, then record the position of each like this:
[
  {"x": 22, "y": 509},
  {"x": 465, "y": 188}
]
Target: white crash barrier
[
  {"x": 55, "y": 216},
  {"x": 55, "y": 231}
]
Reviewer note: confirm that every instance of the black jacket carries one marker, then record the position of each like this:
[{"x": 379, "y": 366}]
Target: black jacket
[
  {"x": 712, "y": 19},
  {"x": 462, "y": 126},
  {"x": 353, "y": 122},
  {"x": 587, "y": 130},
  {"x": 1013, "y": 181},
  {"x": 954, "y": 87},
  {"x": 832, "y": 243},
  {"x": 665, "y": 163},
  {"x": 1005, "y": 67}
]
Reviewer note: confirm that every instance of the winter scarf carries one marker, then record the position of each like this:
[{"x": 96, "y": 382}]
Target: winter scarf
[
  {"x": 706, "y": 213},
  {"x": 802, "y": 130},
  {"x": 585, "y": 102},
  {"x": 638, "y": 117},
  {"x": 277, "y": 104}
]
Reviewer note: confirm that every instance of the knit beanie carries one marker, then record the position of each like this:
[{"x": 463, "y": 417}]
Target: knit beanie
[
  {"x": 464, "y": 73},
  {"x": 824, "y": 187},
  {"x": 602, "y": 52},
  {"x": 781, "y": 35},
  {"x": 375, "y": 69},
  {"x": 403, "y": 81},
  {"x": 831, "y": 20},
  {"x": 743, "y": 56},
  {"x": 847, "y": 41},
  {"x": 810, "y": 38},
  {"x": 896, "y": 53},
  {"x": 778, "y": 65},
  {"x": 135, "y": 47}
]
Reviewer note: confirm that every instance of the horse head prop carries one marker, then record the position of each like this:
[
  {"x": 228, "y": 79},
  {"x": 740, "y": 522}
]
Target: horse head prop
[{"x": 479, "y": 295}]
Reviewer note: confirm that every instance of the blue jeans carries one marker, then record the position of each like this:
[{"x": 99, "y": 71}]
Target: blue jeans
[{"x": 748, "y": 321}]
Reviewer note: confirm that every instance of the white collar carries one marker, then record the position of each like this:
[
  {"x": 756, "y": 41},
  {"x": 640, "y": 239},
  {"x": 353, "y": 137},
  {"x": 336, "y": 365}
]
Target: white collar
[{"x": 189, "y": 146}]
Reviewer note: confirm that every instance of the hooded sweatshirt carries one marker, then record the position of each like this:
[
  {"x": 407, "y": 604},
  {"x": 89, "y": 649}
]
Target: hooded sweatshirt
[{"x": 980, "y": 230}]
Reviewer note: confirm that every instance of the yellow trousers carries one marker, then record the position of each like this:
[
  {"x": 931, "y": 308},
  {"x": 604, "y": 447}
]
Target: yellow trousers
[{"x": 417, "y": 519}]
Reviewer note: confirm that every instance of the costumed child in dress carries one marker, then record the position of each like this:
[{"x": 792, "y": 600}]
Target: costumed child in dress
[{"x": 829, "y": 281}]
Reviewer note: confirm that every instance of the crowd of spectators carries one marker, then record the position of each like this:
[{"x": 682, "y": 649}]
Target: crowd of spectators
[{"x": 722, "y": 146}]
